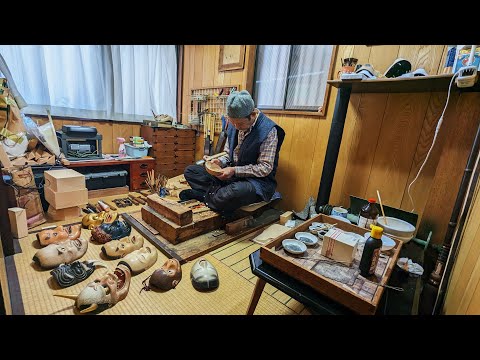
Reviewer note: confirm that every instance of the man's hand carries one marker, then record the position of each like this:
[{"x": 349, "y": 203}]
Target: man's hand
[
  {"x": 227, "y": 173},
  {"x": 213, "y": 161}
]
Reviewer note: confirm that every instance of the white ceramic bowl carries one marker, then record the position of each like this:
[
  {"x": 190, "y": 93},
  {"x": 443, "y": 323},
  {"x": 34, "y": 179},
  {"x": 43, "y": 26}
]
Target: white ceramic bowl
[
  {"x": 396, "y": 227},
  {"x": 306, "y": 238},
  {"x": 294, "y": 246},
  {"x": 387, "y": 242}
]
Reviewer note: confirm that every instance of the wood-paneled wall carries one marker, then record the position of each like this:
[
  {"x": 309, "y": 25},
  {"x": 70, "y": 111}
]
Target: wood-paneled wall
[
  {"x": 385, "y": 140},
  {"x": 463, "y": 292},
  {"x": 109, "y": 130}
]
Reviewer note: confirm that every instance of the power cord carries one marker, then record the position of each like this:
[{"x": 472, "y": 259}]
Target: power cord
[{"x": 437, "y": 129}]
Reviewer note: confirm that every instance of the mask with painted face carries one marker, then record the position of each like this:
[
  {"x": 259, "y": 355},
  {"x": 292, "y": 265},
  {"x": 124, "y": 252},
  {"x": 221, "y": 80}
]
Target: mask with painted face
[
  {"x": 104, "y": 292},
  {"x": 111, "y": 231},
  {"x": 59, "y": 234},
  {"x": 204, "y": 276},
  {"x": 140, "y": 260},
  {"x": 116, "y": 249},
  {"x": 70, "y": 274},
  {"x": 165, "y": 278},
  {"x": 65, "y": 252},
  {"x": 89, "y": 221}
]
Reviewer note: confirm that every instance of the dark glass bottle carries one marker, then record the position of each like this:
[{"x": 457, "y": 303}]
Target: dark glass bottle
[
  {"x": 371, "y": 252},
  {"x": 368, "y": 214}
]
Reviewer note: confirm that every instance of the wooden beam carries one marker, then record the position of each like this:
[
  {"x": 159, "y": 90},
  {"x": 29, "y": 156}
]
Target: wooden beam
[{"x": 178, "y": 213}]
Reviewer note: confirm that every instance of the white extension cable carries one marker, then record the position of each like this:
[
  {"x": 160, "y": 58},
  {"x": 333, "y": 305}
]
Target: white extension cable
[{"x": 437, "y": 129}]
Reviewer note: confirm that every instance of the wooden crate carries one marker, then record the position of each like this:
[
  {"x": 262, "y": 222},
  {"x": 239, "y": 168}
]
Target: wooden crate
[{"x": 337, "y": 291}]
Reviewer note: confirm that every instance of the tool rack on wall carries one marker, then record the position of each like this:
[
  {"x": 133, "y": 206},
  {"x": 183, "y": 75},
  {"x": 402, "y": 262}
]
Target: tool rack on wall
[{"x": 209, "y": 102}]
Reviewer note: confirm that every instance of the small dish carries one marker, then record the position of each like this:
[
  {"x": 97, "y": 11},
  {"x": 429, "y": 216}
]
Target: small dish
[
  {"x": 294, "y": 246},
  {"x": 306, "y": 238},
  {"x": 387, "y": 243}
]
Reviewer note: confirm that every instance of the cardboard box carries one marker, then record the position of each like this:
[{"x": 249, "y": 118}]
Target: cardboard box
[
  {"x": 64, "y": 180},
  {"x": 18, "y": 222},
  {"x": 339, "y": 246},
  {"x": 66, "y": 199},
  {"x": 64, "y": 214}
]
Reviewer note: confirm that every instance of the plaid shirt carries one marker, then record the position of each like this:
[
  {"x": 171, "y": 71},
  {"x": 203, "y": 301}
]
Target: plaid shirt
[{"x": 264, "y": 165}]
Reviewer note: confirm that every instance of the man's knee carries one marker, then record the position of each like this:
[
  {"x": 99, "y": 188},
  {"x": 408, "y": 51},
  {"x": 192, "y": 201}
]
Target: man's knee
[{"x": 193, "y": 171}]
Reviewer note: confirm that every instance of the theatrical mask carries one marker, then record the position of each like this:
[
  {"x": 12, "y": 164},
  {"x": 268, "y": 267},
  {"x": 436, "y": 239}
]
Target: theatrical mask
[
  {"x": 111, "y": 231},
  {"x": 59, "y": 234},
  {"x": 140, "y": 260},
  {"x": 62, "y": 253},
  {"x": 70, "y": 274},
  {"x": 116, "y": 249},
  {"x": 104, "y": 292},
  {"x": 165, "y": 278},
  {"x": 203, "y": 275},
  {"x": 89, "y": 221}
]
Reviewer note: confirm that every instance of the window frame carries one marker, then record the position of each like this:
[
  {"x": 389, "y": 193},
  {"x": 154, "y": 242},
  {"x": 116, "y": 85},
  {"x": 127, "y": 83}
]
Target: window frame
[{"x": 323, "y": 111}]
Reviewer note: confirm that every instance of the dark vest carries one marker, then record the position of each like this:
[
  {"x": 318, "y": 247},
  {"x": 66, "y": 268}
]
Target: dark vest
[{"x": 250, "y": 151}]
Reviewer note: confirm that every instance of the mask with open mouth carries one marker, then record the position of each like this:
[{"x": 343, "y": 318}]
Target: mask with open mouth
[
  {"x": 104, "y": 292},
  {"x": 59, "y": 234},
  {"x": 65, "y": 252},
  {"x": 70, "y": 274},
  {"x": 111, "y": 231}
]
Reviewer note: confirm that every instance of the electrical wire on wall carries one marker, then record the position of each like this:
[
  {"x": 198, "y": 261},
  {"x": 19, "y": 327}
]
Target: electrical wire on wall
[{"x": 437, "y": 129}]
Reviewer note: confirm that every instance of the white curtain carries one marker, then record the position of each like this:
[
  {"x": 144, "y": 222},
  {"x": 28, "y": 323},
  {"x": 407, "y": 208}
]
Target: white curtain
[
  {"x": 308, "y": 76},
  {"x": 271, "y": 76},
  {"x": 294, "y": 75},
  {"x": 101, "y": 81}
]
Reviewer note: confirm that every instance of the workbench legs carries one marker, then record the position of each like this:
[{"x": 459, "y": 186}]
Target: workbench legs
[{"x": 257, "y": 292}]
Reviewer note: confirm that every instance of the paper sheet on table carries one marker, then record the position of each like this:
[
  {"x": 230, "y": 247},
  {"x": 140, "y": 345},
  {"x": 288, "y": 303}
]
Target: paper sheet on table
[{"x": 270, "y": 233}]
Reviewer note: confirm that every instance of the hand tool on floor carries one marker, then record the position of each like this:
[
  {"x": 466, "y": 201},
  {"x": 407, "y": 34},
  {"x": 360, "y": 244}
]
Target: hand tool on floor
[
  {"x": 235, "y": 227},
  {"x": 137, "y": 198},
  {"x": 104, "y": 206},
  {"x": 133, "y": 199},
  {"x": 209, "y": 158},
  {"x": 88, "y": 211},
  {"x": 111, "y": 206},
  {"x": 92, "y": 207}
]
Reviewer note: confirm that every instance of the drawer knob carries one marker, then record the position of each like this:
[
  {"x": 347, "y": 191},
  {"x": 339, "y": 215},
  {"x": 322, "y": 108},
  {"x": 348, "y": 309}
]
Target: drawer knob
[
  {"x": 143, "y": 175},
  {"x": 143, "y": 166}
]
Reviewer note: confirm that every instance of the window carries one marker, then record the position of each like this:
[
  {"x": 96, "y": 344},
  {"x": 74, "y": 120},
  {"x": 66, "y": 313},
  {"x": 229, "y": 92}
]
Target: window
[
  {"x": 119, "y": 82},
  {"x": 293, "y": 77}
]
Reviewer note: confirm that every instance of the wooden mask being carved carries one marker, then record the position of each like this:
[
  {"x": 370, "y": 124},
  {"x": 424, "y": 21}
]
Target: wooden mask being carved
[
  {"x": 58, "y": 234},
  {"x": 62, "y": 253}
]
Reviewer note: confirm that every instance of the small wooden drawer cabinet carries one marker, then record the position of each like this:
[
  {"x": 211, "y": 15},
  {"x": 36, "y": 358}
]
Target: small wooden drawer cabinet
[
  {"x": 138, "y": 173},
  {"x": 173, "y": 149}
]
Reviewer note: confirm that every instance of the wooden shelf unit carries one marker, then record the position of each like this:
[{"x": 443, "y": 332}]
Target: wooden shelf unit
[{"x": 400, "y": 85}]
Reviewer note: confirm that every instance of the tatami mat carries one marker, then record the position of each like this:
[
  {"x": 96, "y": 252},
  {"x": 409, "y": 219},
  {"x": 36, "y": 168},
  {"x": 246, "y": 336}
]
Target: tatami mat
[{"x": 231, "y": 297}]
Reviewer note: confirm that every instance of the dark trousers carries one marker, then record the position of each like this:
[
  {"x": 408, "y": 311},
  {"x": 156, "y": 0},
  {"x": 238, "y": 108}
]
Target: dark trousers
[{"x": 222, "y": 196}]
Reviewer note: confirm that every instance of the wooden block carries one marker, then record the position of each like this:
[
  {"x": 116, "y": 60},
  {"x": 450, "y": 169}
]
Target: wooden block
[
  {"x": 178, "y": 213},
  {"x": 4, "y": 160},
  {"x": 64, "y": 214},
  {"x": 102, "y": 193},
  {"x": 339, "y": 246},
  {"x": 285, "y": 217},
  {"x": 18, "y": 222},
  {"x": 66, "y": 199},
  {"x": 236, "y": 226},
  {"x": 173, "y": 232},
  {"x": 64, "y": 180}
]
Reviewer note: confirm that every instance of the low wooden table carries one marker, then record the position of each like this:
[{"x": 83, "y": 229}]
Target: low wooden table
[{"x": 137, "y": 169}]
